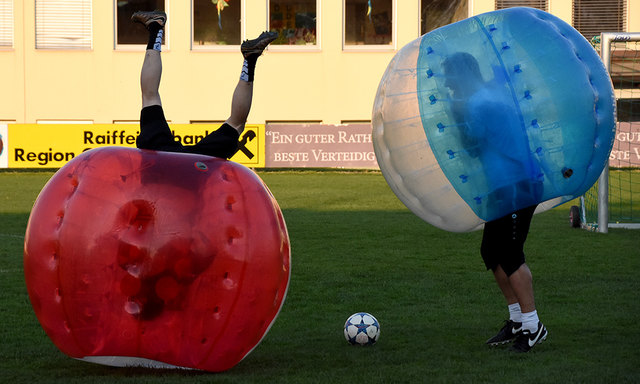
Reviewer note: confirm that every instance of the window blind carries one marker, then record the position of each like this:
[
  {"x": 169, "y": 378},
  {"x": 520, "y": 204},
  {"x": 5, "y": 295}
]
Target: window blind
[
  {"x": 63, "y": 24},
  {"x": 6, "y": 23},
  {"x": 539, "y": 4},
  {"x": 590, "y": 17}
]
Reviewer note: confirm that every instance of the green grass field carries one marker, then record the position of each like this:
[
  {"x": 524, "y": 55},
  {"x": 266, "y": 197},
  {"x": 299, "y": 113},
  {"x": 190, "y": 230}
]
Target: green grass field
[{"x": 357, "y": 248}]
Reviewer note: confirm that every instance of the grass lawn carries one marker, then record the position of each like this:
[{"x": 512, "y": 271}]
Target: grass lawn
[{"x": 355, "y": 247}]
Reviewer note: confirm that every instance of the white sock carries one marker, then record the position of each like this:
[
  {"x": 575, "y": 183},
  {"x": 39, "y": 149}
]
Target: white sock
[
  {"x": 515, "y": 314},
  {"x": 530, "y": 321}
]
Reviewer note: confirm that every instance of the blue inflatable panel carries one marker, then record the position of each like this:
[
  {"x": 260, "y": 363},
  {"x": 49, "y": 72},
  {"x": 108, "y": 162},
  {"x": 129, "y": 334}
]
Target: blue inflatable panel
[{"x": 517, "y": 108}]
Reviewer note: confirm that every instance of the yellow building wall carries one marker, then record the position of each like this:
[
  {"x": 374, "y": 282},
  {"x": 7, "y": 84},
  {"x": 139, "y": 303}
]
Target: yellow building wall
[
  {"x": 12, "y": 97},
  {"x": 329, "y": 84},
  {"x": 562, "y": 9},
  {"x": 633, "y": 16}
]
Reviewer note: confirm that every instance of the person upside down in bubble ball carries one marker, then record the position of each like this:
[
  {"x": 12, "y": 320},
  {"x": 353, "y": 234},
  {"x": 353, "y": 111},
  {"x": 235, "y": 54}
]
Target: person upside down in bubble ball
[
  {"x": 490, "y": 130},
  {"x": 155, "y": 134},
  {"x": 154, "y": 130}
]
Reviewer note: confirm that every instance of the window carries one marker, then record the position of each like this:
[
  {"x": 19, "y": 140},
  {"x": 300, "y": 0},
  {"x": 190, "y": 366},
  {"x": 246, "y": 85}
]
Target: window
[
  {"x": 625, "y": 76},
  {"x": 216, "y": 22},
  {"x": 628, "y": 110},
  {"x": 6, "y": 23},
  {"x": 437, "y": 13},
  {"x": 540, "y": 4},
  {"x": 294, "y": 20},
  {"x": 63, "y": 24},
  {"x": 127, "y": 32},
  {"x": 591, "y": 17},
  {"x": 368, "y": 22}
]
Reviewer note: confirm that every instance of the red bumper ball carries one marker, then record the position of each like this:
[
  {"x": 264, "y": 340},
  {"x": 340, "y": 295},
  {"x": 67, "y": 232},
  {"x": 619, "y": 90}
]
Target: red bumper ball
[{"x": 152, "y": 258}]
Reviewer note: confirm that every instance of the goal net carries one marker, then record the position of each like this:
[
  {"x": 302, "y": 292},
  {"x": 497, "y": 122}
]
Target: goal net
[{"x": 614, "y": 201}]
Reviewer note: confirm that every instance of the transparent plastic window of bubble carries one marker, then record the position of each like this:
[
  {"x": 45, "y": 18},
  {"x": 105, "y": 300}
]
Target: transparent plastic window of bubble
[{"x": 517, "y": 108}]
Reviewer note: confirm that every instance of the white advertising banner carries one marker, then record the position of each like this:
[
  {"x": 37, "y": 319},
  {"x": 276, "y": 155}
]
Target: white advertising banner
[{"x": 319, "y": 146}]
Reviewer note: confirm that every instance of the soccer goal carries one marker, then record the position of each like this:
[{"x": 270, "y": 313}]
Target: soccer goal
[{"x": 614, "y": 201}]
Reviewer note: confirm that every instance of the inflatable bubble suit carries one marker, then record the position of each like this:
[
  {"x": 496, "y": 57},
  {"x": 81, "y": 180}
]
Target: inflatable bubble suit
[
  {"x": 157, "y": 259},
  {"x": 494, "y": 113}
]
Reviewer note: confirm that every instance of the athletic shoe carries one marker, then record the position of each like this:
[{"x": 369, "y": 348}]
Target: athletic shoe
[
  {"x": 147, "y": 17},
  {"x": 527, "y": 339},
  {"x": 509, "y": 332},
  {"x": 253, "y": 48}
]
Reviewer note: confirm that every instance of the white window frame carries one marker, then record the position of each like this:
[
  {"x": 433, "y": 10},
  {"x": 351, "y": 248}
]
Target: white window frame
[
  {"x": 57, "y": 28},
  {"x": 373, "y": 47},
  {"x": 7, "y": 25},
  {"x": 221, "y": 48},
  {"x": 300, "y": 48},
  {"x": 138, "y": 47}
]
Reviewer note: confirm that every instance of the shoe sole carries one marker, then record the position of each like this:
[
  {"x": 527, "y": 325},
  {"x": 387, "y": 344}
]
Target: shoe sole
[
  {"x": 257, "y": 47},
  {"x": 254, "y": 50},
  {"x": 498, "y": 343},
  {"x": 158, "y": 18}
]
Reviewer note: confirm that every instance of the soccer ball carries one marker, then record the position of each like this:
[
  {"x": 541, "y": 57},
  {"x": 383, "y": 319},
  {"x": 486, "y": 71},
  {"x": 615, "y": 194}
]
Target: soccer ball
[{"x": 362, "y": 329}]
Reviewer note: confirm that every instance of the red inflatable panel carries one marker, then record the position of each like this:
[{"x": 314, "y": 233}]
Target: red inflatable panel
[{"x": 141, "y": 257}]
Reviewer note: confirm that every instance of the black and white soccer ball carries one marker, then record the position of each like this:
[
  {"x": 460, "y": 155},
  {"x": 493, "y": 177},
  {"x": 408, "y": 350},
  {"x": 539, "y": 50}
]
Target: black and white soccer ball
[{"x": 362, "y": 329}]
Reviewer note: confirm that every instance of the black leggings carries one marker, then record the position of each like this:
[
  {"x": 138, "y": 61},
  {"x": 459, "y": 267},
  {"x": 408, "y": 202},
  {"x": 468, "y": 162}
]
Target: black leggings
[
  {"x": 156, "y": 135},
  {"x": 503, "y": 240}
]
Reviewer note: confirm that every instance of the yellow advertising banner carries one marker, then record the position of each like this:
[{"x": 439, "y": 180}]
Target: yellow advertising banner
[{"x": 53, "y": 145}]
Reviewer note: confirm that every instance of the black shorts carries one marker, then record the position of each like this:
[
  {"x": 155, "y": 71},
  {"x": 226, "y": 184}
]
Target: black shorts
[
  {"x": 156, "y": 135},
  {"x": 503, "y": 240}
]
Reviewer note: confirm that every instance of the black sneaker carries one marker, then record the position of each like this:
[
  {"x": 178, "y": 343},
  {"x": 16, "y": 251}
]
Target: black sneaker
[
  {"x": 147, "y": 17},
  {"x": 253, "y": 48},
  {"x": 526, "y": 340},
  {"x": 509, "y": 332}
]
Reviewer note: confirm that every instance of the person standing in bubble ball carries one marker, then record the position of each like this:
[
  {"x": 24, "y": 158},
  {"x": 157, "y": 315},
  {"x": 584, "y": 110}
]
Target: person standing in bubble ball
[
  {"x": 154, "y": 130},
  {"x": 490, "y": 130}
]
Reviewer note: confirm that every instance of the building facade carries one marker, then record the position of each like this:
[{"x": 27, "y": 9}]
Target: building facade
[{"x": 79, "y": 61}]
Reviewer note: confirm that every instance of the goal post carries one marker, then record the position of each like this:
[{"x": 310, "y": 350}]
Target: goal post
[{"x": 620, "y": 53}]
